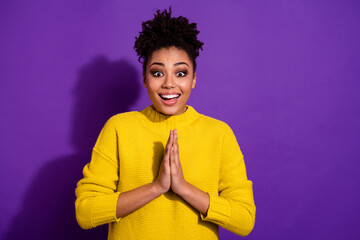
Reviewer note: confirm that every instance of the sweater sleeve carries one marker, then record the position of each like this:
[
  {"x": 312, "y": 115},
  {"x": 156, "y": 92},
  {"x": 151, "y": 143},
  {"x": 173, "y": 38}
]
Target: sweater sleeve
[
  {"x": 96, "y": 196},
  {"x": 234, "y": 209}
]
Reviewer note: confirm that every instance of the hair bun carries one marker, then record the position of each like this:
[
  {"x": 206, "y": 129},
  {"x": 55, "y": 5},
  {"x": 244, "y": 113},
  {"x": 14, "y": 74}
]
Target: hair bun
[{"x": 166, "y": 31}]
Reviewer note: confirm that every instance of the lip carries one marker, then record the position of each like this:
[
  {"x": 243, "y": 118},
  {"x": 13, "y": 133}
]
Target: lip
[
  {"x": 172, "y": 101},
  {"x": 169, "y": 93}
]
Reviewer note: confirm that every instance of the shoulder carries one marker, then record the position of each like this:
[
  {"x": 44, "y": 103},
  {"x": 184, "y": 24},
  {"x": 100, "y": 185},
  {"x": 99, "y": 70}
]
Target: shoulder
[
  {"x": 125, "y": 116},
  {"x": 216, "y": 125},
  {"x": 123, "y": 119},
  {"x": 223, "y": 133}
]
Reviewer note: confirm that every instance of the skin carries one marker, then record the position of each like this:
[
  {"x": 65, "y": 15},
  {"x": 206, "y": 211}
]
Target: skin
[{"x": 168, "y": 70}]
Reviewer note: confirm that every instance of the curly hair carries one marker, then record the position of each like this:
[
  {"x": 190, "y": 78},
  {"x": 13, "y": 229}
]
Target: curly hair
[{"x": 165, "y": 31}]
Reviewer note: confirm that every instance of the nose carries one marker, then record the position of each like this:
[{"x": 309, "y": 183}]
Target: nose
[{"x": 169, "y": 82}]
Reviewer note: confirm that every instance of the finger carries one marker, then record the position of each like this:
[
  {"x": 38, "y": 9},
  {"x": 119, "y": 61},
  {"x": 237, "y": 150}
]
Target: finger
[
  {"x": 176, "y": 139},
  {"x": 169, "y": 143},
  {"x": 172, "y": 160},
  {"x": 171, "y": 147},
  {"x": 168, "y": 138},
  {"x": 167, "y": 153},
  {"x": 177, "y": 160},
  {"x": 166, "y": 164},
  {"x": 166, "y": 160},
  {"x": 171, "y": 138},
  {"x": 166, "y": 156},
  {"x": 176, "y": 149}
]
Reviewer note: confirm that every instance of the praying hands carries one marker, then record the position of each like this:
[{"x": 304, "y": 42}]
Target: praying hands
[{"x": 171, "y": 176}]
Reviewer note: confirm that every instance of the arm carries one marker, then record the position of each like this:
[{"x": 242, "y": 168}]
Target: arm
[
  {"x": 136, "y": 198},
  {"x": 195, "y": 197},
  {"x": 97, "y": 200},
  {"x": 191, "y": 194},
  {"x": 96, "y": 195},
  {"x": 234, "y": 209}
]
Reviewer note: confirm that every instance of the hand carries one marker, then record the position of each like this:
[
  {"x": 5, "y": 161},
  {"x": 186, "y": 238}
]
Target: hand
[
  {"x": 163, "y": 180},
  {"x": 178, "y": 182}
]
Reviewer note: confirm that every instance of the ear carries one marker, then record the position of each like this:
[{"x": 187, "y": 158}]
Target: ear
[
  {"x": 194, "y": 81},
  {"x": 144, "y": 80}
]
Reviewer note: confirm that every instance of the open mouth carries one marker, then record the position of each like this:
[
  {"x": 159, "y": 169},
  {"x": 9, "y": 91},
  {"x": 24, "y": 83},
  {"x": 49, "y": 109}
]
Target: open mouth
[{"x": 169, "y": 97}]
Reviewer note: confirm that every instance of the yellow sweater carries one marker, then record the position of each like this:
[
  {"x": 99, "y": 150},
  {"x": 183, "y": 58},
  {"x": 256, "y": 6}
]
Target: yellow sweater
[{"x": 128, "y": 154}]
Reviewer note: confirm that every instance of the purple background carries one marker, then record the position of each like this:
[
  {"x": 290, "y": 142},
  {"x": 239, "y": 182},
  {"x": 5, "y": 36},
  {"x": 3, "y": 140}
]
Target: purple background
[{"x": 283, "y": 74}]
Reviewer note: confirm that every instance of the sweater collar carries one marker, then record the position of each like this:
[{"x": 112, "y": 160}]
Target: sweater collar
[{"x": 170, "y": 121}]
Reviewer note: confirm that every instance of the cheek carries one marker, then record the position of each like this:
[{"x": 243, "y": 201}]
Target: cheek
[
  {"x": 152, "y": 87},
  {"x": 186, "y": 86},
  {"x": 151, "y": 90}
]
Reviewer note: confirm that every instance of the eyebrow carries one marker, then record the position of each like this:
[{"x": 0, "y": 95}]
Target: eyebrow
[
  {"x": 180, "y": 63},
  {"x": 176, "y": 64}
]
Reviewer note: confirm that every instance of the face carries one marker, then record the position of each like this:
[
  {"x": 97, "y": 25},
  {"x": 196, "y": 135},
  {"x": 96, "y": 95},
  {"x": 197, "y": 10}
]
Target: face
[{"x": 169, "y": 79}]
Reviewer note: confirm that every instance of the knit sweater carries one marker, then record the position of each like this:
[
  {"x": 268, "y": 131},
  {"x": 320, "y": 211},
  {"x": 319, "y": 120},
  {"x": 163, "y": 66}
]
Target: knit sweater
[{"x": 128, "y": 154}]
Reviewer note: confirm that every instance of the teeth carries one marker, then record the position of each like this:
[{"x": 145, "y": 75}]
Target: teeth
[{"x": 170, "y": 96}]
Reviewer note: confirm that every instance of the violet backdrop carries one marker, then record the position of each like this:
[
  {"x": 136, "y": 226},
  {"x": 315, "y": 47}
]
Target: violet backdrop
[{"x": 283, "y": 74}]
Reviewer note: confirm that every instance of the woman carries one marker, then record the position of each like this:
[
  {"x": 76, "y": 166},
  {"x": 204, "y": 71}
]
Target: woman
[{"x": 156, "y": 173}]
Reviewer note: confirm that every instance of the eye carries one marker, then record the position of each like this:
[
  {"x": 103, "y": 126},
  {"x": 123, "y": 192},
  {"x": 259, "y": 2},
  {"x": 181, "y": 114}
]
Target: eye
[
  {"x": 157, "y": 74},
  {"x": 181, "y": 74}
]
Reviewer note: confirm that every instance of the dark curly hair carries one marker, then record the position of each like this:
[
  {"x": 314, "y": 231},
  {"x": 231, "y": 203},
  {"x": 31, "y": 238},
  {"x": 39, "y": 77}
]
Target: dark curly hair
[{"x": 165, "y": 31}]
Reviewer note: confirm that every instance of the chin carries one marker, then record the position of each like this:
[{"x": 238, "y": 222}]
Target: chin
[{"x": 173, "y": 110}]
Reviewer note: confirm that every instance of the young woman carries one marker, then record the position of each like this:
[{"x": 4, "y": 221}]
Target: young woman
[{"x": 156, "y": 173}]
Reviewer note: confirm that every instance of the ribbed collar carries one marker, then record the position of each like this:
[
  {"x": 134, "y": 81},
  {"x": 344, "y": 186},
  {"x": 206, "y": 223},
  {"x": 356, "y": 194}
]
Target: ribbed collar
[{"x": 168, "y": 122}]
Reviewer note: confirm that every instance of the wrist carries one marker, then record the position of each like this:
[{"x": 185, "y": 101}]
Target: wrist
[
  {"x": 181, "y": 191},
  {"x": 158, "y": 190}
]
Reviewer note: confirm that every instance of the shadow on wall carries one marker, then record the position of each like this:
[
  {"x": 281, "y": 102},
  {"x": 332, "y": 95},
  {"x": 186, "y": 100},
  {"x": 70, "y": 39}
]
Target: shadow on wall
[{"x": 103, "y": 89}]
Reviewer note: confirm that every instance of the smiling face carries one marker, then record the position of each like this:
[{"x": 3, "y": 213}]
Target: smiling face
[{"x": 169, "y": 79}]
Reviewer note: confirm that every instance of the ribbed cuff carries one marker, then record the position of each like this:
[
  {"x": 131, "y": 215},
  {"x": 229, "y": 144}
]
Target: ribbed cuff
[
  {"x": 104, "y": 209},
  {"x": 219, "y": 210}
]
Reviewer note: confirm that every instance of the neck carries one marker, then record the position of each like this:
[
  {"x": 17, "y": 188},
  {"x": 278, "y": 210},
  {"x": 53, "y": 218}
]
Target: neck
[
  {"x": 185, "y": 108},
  {"x": 161, "y": 121}
]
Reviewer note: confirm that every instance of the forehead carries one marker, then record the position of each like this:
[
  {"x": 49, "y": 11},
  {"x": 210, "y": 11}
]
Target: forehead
[{"x": 169, "y": 55}]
